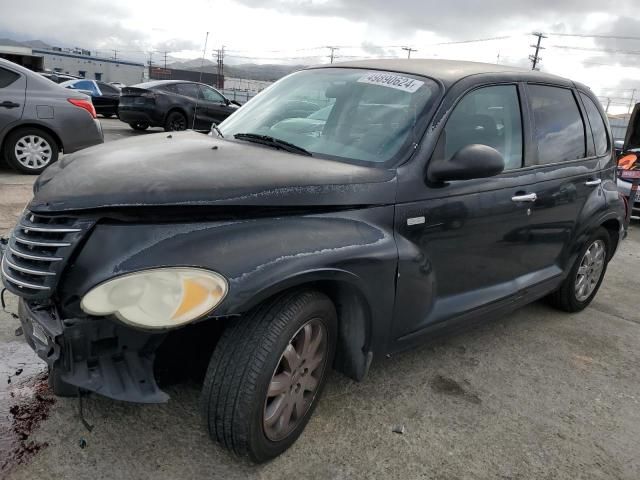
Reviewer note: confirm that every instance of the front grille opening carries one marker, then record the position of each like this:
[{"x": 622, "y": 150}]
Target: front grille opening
[{"x": 38, "y": 251}]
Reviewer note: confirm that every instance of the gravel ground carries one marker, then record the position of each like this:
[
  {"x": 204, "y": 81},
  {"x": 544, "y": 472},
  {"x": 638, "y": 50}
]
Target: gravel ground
[{"x": 535, "y": 395}]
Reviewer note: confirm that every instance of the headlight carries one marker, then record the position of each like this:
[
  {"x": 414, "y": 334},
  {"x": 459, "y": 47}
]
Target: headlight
[{"x": 159, "y": 298}]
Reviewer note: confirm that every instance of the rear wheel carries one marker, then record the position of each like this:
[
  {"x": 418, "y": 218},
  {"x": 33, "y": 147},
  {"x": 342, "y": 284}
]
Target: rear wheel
[
  {"x": 30, "y": 150},
  {"x": 175, "y": 121},
  {"x": 584, "y": 280},
  {"x": 267, "y": 372},
  {"x": 139, "y": 126}
]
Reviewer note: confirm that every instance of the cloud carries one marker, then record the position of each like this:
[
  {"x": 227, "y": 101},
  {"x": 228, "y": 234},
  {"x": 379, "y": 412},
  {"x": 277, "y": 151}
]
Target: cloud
[
  {"x": 88, "y": 23},
  {"x": 176, "y": 45},
  {"x": 452, "y": 19}
]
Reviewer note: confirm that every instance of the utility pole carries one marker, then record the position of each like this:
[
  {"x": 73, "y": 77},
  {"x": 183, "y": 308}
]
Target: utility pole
[
  {"x": 633, "y": 94},
  {"x": 409, "y": 50},
  {"x": 165, "y": 59},
  {"x": 535, "y": 58},
  {"x": 115, "y": 54},
  {"x": 204, "y": 52},
  {"x": 150, "y": 64},
  {"x": 332, "y": 55},
  {"x": 606, "y": 110},
  {"x": 220, "y": 63}
]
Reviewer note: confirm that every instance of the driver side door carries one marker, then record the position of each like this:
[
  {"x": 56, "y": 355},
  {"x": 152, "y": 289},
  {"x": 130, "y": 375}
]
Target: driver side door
[{"x": 461, "y": 245}]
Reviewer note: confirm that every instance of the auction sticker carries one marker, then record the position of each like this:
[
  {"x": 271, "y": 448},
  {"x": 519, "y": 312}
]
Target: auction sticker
[{"x": 391, "y": 80}]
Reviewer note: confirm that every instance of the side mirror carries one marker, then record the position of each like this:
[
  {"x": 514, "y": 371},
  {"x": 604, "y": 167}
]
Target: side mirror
[{"x": 471, "y": 161}]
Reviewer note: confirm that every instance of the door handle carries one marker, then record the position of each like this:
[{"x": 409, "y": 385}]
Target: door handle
[
  {"x": 8, "y": 104},
  {"x": 527, "y": 197},
  {"x": 593, "y": 183}
]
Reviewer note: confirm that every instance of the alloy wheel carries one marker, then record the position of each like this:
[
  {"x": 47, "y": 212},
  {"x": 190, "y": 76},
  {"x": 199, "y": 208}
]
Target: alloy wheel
[
  {"x": 590, "y": 270},
  {"x": 33, "y": 152},
  {"x": 295, "y": 381}
]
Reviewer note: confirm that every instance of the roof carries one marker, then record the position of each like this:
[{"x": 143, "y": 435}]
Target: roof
[{"x": 447, "y": 71}]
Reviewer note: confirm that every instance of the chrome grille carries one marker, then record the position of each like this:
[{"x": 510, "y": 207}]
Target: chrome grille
[{"x": 38, "y": 251}]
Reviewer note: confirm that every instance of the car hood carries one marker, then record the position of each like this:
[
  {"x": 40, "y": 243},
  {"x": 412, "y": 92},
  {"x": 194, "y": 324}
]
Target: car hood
[{"x": 189, "y": 168}]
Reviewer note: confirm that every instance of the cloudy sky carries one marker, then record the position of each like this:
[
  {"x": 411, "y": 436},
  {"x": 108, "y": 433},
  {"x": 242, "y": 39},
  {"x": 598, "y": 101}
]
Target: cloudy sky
[{"x": 604, "y": 53}]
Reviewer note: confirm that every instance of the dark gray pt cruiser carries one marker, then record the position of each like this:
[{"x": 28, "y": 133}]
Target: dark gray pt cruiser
[{"x": 348, "y": 212}]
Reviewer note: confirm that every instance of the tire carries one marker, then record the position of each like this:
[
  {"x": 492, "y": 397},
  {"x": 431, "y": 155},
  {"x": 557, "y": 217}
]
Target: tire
[
  {"x": 107, "y": 115},
  {"x": 140, "y": 126},
  {"x": 44, "y": 154},
  {"x": 568, "y": 297},
  {"x": 235, "y": 399},
  {"x": 176, "y": 121}
]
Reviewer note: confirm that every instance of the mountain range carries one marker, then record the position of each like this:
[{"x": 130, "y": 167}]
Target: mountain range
[{"x": 250, "y": 71}]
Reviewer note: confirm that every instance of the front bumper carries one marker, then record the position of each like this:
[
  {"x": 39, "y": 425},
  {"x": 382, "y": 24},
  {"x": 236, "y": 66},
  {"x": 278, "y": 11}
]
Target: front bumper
[{"x": 95, "y": 354}]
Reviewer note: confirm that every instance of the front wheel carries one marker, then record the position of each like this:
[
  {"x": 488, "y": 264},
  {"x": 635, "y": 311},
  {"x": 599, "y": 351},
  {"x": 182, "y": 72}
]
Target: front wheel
[
  {"x": 584, "y": 280},
  {"x": 267, "y": 373}
]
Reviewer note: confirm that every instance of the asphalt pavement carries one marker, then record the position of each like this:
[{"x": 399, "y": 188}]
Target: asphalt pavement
[{"x": 537, "y": 394}]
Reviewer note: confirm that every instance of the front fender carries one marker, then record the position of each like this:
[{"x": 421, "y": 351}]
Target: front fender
[{"x": 259, "y": 257}]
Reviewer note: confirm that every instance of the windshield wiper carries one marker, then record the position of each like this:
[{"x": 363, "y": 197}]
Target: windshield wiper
[{"x": 272, "y": 142}]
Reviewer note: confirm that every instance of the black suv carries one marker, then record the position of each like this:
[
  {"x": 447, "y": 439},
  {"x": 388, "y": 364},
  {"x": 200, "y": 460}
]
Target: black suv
[
  {"x": 173, "y": 105},
  {"x": 434, "y": 193}
]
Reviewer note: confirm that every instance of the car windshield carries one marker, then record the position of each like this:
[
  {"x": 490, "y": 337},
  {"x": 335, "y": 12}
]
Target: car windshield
[{"x": 344, "y": 114}]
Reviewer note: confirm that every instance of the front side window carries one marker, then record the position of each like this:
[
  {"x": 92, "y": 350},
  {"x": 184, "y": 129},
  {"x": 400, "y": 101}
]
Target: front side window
[
  {"x": 559, "y": 129},
  {"x": 598, "y": 128},
  {"x": 341, "y": 113},
  {"x": 210, "y": 95},
  {"x": 7, "y": 77},
  {"x": 487, "y": 116}
]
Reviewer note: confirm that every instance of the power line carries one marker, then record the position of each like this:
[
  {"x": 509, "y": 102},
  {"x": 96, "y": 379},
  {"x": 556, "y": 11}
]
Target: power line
[
  {"x": 585, "y": 35},
  {"x": 603, "y": 50},
  {"x": 535, "y": 58}
]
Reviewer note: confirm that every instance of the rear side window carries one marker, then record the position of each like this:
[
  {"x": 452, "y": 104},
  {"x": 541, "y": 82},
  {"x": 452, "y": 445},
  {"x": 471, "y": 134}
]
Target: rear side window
[
  {"x": 487, "y": 116},
  {"x": 188, "y": 89},
  {"x": 7, "y": 77},
  {"x": 598, "y": 127},
  {"x": 170, "y": 87},
  {"x": 85, "y": 85},
  {"x": 559, "y": 129}
]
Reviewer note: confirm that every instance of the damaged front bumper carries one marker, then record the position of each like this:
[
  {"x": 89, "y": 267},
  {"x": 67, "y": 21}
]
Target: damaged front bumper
[{"x": 96, "y": 354}]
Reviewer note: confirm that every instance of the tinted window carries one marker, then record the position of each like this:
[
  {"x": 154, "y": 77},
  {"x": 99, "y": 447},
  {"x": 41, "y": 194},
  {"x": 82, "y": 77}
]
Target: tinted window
[
  {"x": 171, "y": 88},
  {"x": 559, "y": 129},
  {"x": 598, "y": 128},
  {"x": 7, "y": 77},
  {"x": 210, "y": 95},
  {"x": 188, "y": 89},
  {"x": 108, "y": 89},
  {"x": 84, "y": 85},
  {"x": 487, "y": 116}
]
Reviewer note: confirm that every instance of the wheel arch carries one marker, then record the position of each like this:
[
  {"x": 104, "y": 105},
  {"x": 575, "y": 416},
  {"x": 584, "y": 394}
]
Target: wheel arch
[
  {"x": 612, "y": 226},
  {"x": 176, "y": 108},
  {"x": 353, "y": 355}
]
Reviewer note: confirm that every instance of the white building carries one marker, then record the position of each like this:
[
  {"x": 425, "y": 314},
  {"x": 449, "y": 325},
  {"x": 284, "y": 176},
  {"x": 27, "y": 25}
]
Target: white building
[{"x": 83, "y": 64}]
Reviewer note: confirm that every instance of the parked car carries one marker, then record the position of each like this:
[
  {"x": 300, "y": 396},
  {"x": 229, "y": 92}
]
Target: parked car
[
  {"x": 39, "y": 119},
  {"x": 58, "y": 77},
  {"x": 118, "y": 85},
  {"x": 173, "y": 104},
  {"x": 437, "y": 193},
  {"x": 629, "y": 159},
  {"x": 105, "y": 97}
]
